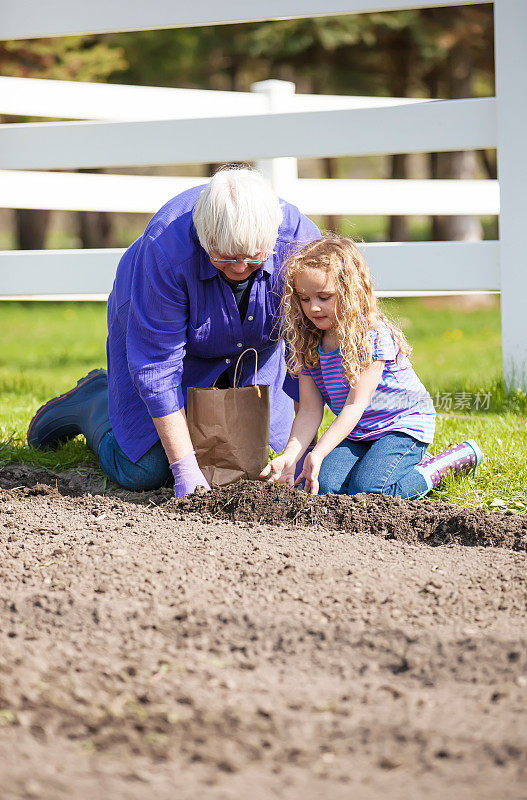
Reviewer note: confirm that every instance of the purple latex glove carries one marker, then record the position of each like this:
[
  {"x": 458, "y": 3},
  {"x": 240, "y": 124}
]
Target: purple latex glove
[{"x": 187, "y": 475}]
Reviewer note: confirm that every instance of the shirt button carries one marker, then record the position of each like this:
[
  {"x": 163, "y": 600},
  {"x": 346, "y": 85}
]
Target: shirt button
[
  {"x": 227, "y": 361},
  {"x": 250, "y": 319},
  {"x": 240, "y": 344}
]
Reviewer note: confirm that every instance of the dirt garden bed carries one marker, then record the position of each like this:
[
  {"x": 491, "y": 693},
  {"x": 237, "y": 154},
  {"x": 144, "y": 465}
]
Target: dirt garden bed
[{"x": 256, "y": 642}]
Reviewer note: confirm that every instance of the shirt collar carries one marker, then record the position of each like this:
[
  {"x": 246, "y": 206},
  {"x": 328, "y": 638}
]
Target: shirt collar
[
  {"x": 268, "y": 266},
  {"x": 326, "y": 352},
  {"x": 206, "y": 268}
]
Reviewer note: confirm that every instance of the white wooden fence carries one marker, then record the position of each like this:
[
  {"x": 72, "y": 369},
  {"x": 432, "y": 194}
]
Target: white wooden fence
[{"x": 273, "y": 126}]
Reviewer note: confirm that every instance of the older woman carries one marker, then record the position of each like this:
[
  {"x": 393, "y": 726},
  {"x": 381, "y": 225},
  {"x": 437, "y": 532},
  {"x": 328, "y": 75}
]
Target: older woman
[{"x": 200, "y": 286}]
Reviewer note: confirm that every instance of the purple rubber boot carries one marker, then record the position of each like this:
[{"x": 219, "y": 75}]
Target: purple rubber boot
[{"x": 464, "y": 457}]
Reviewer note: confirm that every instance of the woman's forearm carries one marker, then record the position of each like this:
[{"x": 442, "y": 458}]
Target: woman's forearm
[{"x": 174, "y": 435}]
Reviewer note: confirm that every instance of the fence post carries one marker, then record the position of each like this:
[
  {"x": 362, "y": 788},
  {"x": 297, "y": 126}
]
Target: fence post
[
  {"x": 281, "y": 172},
  {"x": 510, "y": 22}
]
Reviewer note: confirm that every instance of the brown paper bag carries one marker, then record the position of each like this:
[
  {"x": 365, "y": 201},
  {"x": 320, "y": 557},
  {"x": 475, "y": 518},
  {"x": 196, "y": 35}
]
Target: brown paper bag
[{"x": 229, "y": 429}]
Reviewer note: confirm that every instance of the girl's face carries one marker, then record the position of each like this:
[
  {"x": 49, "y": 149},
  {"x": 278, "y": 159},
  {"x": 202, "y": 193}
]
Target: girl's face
[{"x": 318, "y": 299}]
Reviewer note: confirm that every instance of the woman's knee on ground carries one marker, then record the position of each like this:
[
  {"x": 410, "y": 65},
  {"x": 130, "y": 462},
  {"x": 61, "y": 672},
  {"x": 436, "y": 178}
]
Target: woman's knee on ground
[
  {"x": 138, "y": 479},
  {"x": 151, "y": 472}
]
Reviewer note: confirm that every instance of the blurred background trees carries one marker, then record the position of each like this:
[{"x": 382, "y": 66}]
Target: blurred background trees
[
  {"x": 438, "y": 53},
  {"x": 75, "y": 58}
]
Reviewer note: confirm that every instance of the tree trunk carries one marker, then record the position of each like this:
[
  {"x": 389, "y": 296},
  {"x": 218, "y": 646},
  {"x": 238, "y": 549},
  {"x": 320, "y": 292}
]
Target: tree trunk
[
  {"x": 458, "y": 165},
  {"x": 31, "y": 225},
  {"x": 488, "y": 157},
  {"x": 401, "y": 63},
  {"x": 328, "y": 167},
  {"x": 94, "y": 227},
  {"x": 31, "y": 228},
  {"x": 398, "y": 231},
  {"x": 466, "y": 228}
]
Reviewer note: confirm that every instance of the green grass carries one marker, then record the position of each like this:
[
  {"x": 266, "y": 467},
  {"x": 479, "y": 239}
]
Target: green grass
[{"x": 46, "y": 347}]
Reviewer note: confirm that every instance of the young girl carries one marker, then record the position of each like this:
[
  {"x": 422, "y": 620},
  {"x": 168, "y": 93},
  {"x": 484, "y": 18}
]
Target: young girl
[{"x": 349, "y": 356}]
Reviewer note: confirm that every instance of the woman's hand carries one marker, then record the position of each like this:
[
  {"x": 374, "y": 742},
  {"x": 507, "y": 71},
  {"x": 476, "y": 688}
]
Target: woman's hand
[
  {"x": 187, "y": 475},
  {"x": 280, "y": 470},
  {"x": 310, "y": 472}
]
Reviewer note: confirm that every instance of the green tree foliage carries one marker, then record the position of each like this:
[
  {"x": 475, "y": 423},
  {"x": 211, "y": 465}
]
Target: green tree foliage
[
  {"x": 354, "y": 54},
  {"x": 72, "y": 58}
]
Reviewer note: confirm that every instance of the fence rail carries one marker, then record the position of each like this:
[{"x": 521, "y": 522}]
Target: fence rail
[
  {"x": 419, "y": 127},
  {"x": 145, "y": 194},
  {"x": 36, "y": 97},
  {"x": 402, "y": 267},
  {"x": 24, "y": 19}
]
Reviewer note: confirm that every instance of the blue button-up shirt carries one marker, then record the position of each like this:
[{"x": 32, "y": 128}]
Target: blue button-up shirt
[{"x": 174, "y": 323}]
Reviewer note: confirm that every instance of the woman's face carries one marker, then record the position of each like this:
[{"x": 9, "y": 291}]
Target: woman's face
[
  {"x": 316, "y": 293},
  {"x": 236, "y": 268}
]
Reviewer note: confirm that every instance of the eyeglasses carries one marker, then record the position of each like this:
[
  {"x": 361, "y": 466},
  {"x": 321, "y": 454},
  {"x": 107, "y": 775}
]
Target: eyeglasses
[{"x": 251, "y": 262}]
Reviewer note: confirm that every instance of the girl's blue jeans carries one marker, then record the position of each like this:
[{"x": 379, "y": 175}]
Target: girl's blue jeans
[
  {"x": 382, "y": 466},
  {"x": 150, "y": 472}
]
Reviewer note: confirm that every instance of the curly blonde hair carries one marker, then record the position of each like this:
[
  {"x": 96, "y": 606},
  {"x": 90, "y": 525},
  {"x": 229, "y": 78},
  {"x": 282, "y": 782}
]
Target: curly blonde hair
[{"x": 357, "y": 310}]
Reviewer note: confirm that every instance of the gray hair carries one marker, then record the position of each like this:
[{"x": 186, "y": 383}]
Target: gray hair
[{"x": 238, "y": 212}]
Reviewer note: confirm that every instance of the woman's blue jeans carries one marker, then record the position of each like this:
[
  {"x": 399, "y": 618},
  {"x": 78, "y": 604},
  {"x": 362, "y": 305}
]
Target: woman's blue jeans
[
  {"x": 151, "y": 471},
  {"x": 382, "y": 466}
]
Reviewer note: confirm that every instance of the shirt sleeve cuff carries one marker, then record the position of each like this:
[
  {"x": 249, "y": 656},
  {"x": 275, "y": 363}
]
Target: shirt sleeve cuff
[{"x": 159, "y": 404}]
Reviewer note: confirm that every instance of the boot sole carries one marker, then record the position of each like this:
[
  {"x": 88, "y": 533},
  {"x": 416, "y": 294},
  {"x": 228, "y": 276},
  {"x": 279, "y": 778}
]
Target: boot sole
[{"x": 87, "y": 378}]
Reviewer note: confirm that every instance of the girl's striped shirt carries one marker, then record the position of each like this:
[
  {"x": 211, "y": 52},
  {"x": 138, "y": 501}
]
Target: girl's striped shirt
[{"x": 400, "y": 402}]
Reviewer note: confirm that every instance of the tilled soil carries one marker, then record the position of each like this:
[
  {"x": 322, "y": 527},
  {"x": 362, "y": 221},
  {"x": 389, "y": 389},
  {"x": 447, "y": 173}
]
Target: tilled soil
[{"x": 256, "y": 642}]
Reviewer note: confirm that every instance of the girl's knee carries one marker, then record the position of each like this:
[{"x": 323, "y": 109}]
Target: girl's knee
[
  {"x": 330, "y": 482},
  {"x": 363, "y": 484},
  {"x": 328, "y": 486},
  {"x": 336, "y": 468},
  {"x": 392, "y": 490}
]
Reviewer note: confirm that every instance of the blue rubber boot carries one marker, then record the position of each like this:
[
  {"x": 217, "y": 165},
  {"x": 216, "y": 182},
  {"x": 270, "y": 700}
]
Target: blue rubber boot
[{"x": 84, "y": 409}]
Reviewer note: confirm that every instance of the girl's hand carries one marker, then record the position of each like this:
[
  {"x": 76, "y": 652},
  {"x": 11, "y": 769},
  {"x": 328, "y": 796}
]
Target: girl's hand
[
  {"x": 310, "y": 472},
  {"x": 280, "y": 470}
]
